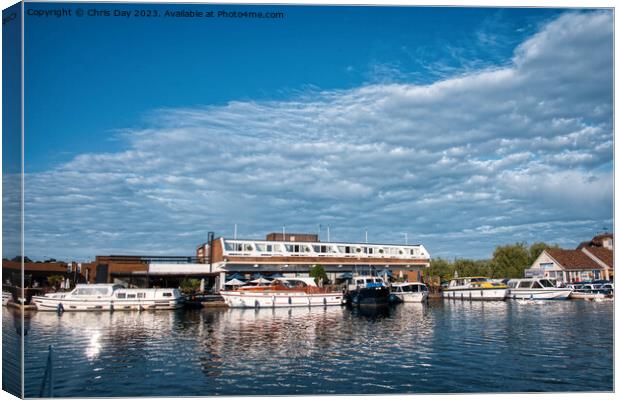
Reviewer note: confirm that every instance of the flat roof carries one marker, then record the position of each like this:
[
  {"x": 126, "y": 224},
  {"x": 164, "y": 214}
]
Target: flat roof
[{"x": 324, "y": 243}]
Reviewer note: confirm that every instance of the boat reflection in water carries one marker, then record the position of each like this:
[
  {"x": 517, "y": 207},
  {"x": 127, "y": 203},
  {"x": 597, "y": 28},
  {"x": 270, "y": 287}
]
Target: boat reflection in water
[{"x": 321, "y": 350}]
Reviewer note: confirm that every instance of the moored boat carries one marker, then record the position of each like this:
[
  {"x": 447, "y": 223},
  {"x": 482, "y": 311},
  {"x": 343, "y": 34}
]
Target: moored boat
[
  {"x": 475, "y": 288},
  {"x": 367, "y": 290},
  {"x": 409, "y": 292},
  {"x": 536, "y": 289},
  {"x": 588, "y": 291},
  {"x": 109, "y": 297},
  {"x": 283, "y": 292}
]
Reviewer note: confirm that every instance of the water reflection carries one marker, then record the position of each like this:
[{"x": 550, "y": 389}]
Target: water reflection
[
  {"x": 11, "y": 349},
  {"x": 480, "y": 345}
]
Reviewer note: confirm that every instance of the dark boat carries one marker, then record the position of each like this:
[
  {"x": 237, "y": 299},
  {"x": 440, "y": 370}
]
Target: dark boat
[{"x": 368, "y": 291}]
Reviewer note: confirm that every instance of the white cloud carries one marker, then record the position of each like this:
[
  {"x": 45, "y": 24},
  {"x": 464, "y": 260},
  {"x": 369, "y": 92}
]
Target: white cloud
[{"x": 520, "y": 152}]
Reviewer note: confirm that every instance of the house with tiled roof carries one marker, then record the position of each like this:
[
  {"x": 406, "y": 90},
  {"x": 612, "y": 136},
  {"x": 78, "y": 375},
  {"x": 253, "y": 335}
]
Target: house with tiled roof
[
  {"x": 601, "y": 250},
  {"x": 603, "y": 257},
  {"x": 566, "y": 266},
  {"x": 593, "y": 259}
]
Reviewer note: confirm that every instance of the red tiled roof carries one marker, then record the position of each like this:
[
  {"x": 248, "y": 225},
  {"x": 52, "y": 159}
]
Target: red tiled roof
[
  {"x": 573, "y": 259},
  {"x": 603, "y": 254},
  {"x": 583, "y": 244}
]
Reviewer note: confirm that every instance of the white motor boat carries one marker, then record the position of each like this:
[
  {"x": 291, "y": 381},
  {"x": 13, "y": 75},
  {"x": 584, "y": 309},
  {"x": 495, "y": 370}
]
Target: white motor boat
[
  {"x": 6, "y": 297},
  {"x": 536, "y": 289},
  {"x": 409, "y": 292},
  {"x": 588, "y": 292},
  {"x": 97, "y": 297},
  {"x": 475, "y": 288},
  {"x": 282, "y": 292}
]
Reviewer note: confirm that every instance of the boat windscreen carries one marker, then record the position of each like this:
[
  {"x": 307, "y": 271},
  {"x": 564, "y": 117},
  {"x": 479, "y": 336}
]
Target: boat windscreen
[
  {"x": 91, "y": 291},
  {"x": 546, "y": 283},
  {"x": 294, "y": 283}
]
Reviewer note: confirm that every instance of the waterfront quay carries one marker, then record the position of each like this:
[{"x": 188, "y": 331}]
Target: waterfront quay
[
  {"x": 223, "y": 264},
  {"x": 219, "y": 259}
]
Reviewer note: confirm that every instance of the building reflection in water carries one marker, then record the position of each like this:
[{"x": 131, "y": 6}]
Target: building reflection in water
[
  {"x": 315, "y": 350},
  {"x": 101, "y": 350}
]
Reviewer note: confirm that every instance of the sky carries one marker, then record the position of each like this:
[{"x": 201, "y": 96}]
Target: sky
[{"x": 464, "y": 129}]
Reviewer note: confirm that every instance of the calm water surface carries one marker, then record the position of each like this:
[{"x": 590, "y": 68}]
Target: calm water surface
[{"x": 443, "y": 347}]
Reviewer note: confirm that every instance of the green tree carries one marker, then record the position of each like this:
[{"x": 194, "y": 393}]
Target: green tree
[
  {"x": 510, "y": 261},
  {"x": 537, "y": 248},
  {"x": 189, "y": 285},
  {"x": 441, "y": 268},
  {"x": 19, "y": 259},
  {"x": 55, "y": 280},
  {"x": 318, "y": 273}
]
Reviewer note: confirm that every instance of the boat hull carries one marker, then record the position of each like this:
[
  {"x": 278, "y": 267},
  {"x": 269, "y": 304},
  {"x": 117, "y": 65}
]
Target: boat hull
[
  {"x": 370, "y": 296},
  {"x": 50, "y": 304},
  {"x": 587, "y": 296},
  {"x": 475, "y": 294},
  {"x": 538, "y": 294},
  {"x": 267, "y": 299},
  {"x": 418, "y": 297}
]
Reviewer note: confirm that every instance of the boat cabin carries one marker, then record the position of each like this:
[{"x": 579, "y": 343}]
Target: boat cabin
[
  {"x": 466, "y": 281},
  {"x": 530, "y": 283},
  {"x": 100, "y": 289},
  {"x": 117, "y": 292},
  {"x": 296, "y": 282},
  {"x": 366, "y": 281},
  {"x": 409, "y": 287}
]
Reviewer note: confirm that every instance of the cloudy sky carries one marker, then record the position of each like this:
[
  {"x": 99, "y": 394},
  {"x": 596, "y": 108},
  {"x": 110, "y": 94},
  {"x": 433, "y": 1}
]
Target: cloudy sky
[{"x": 464, "y": 129}]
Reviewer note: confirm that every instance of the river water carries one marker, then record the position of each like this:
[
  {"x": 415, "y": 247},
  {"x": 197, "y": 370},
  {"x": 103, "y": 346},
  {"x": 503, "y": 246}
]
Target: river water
[{"x": 443, "y": 347}]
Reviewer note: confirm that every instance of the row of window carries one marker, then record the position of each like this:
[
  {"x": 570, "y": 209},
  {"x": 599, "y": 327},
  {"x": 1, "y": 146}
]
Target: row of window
[
  {"x": 139, "y": 295},
  {"x": 325, "y": 249},
  {"x": 539, "y": 284},
  {"x": 91, "y": 291}
]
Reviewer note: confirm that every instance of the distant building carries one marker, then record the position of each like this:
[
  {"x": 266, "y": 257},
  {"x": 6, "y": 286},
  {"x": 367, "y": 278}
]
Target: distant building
[
  {"x": 590, "y": 261},
  {"x": 605, "y": 240},
  {"x": 142, "y": 270},
  {"x": 288, "y": 255},
  {"x": 36, "y": 273},
  {"x": 295, "y": 254}
]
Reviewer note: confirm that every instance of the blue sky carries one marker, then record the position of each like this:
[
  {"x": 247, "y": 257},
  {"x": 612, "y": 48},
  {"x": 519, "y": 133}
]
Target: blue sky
[{"x": 464, "y": 128}]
